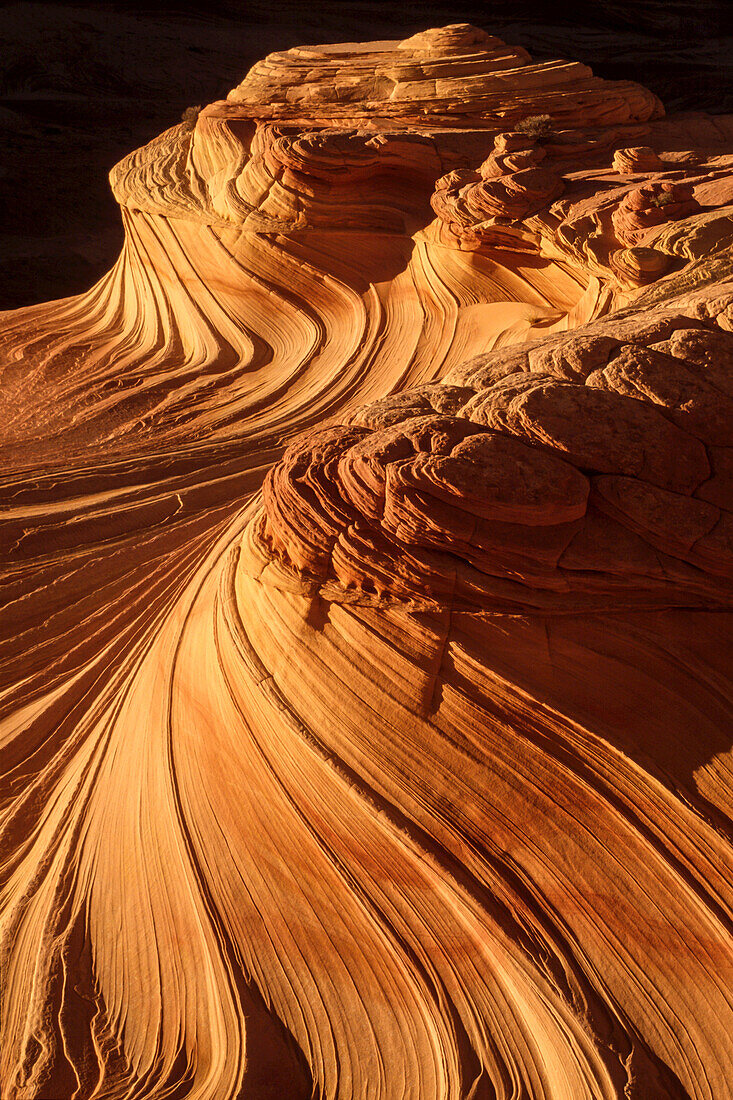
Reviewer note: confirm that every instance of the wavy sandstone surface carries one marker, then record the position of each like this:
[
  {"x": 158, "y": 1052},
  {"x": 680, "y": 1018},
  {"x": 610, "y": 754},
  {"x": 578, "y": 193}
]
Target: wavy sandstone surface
[{"x": 368, "y": 585}]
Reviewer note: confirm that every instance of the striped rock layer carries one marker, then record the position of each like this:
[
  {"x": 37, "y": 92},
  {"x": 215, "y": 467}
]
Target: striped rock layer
[{"x": 367, "y": 585}]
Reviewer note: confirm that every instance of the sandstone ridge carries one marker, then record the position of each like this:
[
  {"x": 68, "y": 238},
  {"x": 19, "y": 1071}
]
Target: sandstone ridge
[{"x": 368, "y": 566}]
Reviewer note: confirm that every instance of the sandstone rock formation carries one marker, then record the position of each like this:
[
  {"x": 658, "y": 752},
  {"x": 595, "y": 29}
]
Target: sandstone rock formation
[{"x": 369, "y": 565}]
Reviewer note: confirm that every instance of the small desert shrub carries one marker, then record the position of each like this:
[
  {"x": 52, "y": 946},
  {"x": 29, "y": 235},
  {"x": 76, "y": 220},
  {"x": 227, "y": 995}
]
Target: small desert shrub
[
  {"x": 663, "y": 199},
  {"x": 534, "y": 125},
  {"x": 190, "y": 115}
]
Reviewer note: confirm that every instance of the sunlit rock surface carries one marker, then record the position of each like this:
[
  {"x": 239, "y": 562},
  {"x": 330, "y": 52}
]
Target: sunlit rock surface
[{"x": 369, "y": 566}]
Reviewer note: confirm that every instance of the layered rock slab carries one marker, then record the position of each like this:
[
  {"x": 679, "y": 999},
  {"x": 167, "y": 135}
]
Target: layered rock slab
[{"x": 407, "y": 776}]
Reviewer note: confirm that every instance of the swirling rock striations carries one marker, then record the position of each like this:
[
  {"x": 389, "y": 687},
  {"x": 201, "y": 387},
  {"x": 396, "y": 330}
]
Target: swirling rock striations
[
  {"x": 529, "y": 488},
  {"x": 368, "y": 541},
  {"x": 440, "y": 76}
]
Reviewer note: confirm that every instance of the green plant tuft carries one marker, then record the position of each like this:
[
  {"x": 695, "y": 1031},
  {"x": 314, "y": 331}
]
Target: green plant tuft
[
  {"x": 535, "y": 125},
  {"x": 663, "y": 199},
  {"x": 190, "y": 115}
]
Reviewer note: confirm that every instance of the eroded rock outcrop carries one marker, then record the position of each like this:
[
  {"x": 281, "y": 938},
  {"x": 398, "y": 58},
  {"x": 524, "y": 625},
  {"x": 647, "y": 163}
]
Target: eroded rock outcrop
[
  {"x": 369, "y": 565},
  {"x": 548, "y": 482},
  {"x": 441, "y": 75}
]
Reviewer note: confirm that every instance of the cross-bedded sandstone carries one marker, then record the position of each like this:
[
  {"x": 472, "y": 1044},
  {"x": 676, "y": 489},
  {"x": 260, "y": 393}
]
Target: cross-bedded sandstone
[{"x": 368, "y": 542}]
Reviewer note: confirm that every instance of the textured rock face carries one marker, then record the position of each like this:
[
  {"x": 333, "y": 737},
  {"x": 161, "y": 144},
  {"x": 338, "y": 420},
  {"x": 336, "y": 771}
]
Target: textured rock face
[
  {"x": 369, "y": 566},
  {"x": 440, "y": 75}
]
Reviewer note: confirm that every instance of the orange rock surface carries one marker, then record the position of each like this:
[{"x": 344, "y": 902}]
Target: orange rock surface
[{"x": 368, "y": 590}]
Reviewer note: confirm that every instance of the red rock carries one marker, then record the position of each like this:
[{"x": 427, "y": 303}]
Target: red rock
[
  {"x": 638, "y": 159},
  {"x": 652, "y": 205},
  {"x": 595, "y": 429},
  {"x": 368, "y": 584}
]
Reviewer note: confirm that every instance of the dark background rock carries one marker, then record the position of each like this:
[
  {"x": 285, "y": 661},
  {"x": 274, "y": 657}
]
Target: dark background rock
[{"x": 82, "y": 84}]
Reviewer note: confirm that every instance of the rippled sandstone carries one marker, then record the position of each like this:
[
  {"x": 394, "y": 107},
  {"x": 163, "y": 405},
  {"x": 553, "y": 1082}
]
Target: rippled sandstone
[{"x": 369, "y": 565}]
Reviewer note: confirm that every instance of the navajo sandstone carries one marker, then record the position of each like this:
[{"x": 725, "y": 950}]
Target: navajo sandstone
[{"x": 368, "y": 534}]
